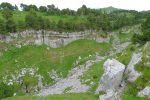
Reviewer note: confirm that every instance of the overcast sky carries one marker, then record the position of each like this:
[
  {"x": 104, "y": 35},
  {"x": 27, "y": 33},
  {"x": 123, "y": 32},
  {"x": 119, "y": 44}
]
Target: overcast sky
[{"x": 74, "y": 4}]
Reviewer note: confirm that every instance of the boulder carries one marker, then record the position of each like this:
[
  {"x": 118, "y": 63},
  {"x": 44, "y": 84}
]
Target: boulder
[
  {"x": 130, "y": 70},
  {"x": 112, "y": 77},
  {"x": 145, "y": 92},
  {"x": 110, "y": 95}
]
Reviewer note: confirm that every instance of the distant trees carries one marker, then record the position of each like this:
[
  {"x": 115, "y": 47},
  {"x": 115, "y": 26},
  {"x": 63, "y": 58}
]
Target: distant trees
[
  {"x": 6, "y": 5},
  {"x": 7, "y": 24},
  {"x": 145, "y": 36},
  {"x": 28, "y": 7},
  {"x": 34, "y": 21},
  {"x": 43, "y": 9},
  {"x": 95, "y": 19},
  {"x": 2, "y": 27}
]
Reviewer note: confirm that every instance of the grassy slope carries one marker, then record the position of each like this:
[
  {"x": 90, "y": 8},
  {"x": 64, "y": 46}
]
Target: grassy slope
[
  {"x": 45, "y": 60},
  {"x": 20, "y": 16},
  {"x": 142, "y": 81},
  {"x": 93, "y": 75},
  {"x": 75, "y": 96}
]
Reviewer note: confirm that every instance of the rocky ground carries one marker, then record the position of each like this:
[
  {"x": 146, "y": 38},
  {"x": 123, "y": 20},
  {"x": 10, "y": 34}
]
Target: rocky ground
[{"x": 72, "y": 83}]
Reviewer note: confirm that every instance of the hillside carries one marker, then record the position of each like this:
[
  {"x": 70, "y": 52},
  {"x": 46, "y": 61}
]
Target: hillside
[
  {"x": 47, "y": 53},
  {"x": 69, "y": 60}
]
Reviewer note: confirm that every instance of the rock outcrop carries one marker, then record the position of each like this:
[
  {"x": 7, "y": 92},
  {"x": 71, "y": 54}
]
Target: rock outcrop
[
  {"x": 72, "y": 81},
  {"x": 132, "y": 73},
  {"x": 111, "y": 80},
  {"x": 145, "y": 92},
  {"x": 112, "y": 77}
]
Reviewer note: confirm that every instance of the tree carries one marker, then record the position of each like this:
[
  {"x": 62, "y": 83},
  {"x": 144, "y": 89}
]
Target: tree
[
  {"x": 6, "y": 90},
  {"x": 6, "y": 5},
  {"x": 10, "y": 25},
  {"x": 60, "y": 25},
  {"x": 21, "y": 25},
  {"x": 43, "y": 9},
  {"x": 29, "y": 82},
  {"x": 145, "y": 36},
  {"x": 23, "y": 6},
  {"x": 32, "y": 7},
  {"x": 15, "y": 7},
  {"x": 31, "y": 19},
  {"x": 7, "y": 14},
  {"x": 83, "y": 10},
  {"x": 2, "y": 27}
]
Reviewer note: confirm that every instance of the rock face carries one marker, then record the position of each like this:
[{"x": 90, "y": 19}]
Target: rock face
[
  {"x": 112, "y": 77},
  {"x": 132, "y": 73},
  {"x": 145, "y": 92}
]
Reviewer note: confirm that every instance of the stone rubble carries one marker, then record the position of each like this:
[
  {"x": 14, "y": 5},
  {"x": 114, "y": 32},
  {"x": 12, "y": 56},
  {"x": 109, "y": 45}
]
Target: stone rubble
[{"x": 72, "y": 80}]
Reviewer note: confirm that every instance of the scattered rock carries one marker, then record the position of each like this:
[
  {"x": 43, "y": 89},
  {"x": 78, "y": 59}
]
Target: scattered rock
[
  {"x": 72, "y": 80},
  {"x": 18, "y": 46},
  {"x": 132, "y": 73},
  {"x": 110, "y": 95},
  {"x": 145, "y": 92}
]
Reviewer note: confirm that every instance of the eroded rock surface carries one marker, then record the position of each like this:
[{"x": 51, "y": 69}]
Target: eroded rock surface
[
  {"x": 145, "y": 92},
  {"x": 112, "y": 77},
  {"x": 112, "y": 80},
  {"x": 132, "y": 73}
]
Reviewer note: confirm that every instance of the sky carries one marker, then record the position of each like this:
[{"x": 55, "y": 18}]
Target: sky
[{"x": 138, "y": 5}]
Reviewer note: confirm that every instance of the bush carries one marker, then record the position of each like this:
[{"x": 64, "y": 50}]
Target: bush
[{"x": 6, "y": 90}]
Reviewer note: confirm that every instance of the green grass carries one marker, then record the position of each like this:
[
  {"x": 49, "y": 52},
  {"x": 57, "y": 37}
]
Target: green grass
[
  {"x": 93, "y": 75},
  {"x": 126, "y": 55},
  {"x": 125, "y": 37},
  {"x": 20, "y": 16},
  {"x": 46, "y": 60},
  {"x": 132, "y": 97},
  {"x": 75, "y": 96},
  {"x": 139, "y": 84}
]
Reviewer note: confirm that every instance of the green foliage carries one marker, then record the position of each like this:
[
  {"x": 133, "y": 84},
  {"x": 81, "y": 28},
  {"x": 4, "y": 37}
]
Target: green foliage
[
  {"x": 2, "y": 27},
  {"x": 6, "y": 90},
  {"x": 93, "y": 75},
  {"x": 139, "y": 84},
  {"x": 7, "y": 14},
  {"x": 82, "y": 19},
  {"x": 9, "y": 25},
  {"x": 143, "y": 38},
  {"x": 6, "y": 5}
]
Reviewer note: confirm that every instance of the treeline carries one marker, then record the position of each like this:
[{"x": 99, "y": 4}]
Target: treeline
[
  {"x": 145, "y": 36},
  {"x": 96, "y": 19}
]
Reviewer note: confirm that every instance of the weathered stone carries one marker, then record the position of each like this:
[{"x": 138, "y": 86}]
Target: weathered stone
[
  {"x": 72, "y": 80},
  {"x": 110, "y": 95},
  {"x": 145, "y": 92},
  {"x": 112, "y": 77},
  {"x": 132, "y": 73}
]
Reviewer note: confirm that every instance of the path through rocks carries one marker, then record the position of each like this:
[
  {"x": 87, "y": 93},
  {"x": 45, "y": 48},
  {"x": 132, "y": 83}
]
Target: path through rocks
[{"x": 72, "y": 82}]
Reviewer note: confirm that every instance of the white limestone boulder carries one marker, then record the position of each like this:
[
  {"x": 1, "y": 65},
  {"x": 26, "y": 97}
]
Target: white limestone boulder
[
  {"x": 130, "y": 70},
  {"x": 145, "y": 92},
  {"x": 112, "y": 77}
]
